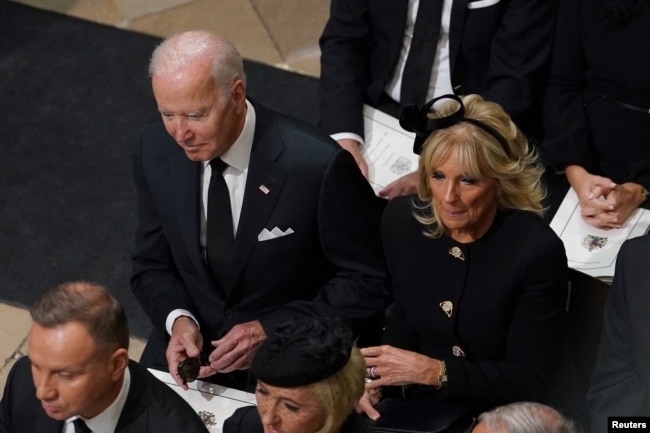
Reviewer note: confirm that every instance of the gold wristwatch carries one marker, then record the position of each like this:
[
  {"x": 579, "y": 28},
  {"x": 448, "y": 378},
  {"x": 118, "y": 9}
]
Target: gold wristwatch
[{"x": 442, "y": 377}]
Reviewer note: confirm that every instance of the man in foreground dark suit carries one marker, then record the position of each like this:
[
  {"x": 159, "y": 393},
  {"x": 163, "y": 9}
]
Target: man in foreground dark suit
[
  {"x": 78, "y": 370},
  {"x": 620, "y": 385},
  {"x": 498, "y": 49},
  {"x": 302, "y": 223}
]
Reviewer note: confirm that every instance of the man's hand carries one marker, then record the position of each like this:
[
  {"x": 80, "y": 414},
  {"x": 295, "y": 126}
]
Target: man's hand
[
  {"x": 405, "y": 185},
  {"x": 235, "y": 350},
  {"x": 353, "y": 147},
  {"x": 185, "y": 342}
]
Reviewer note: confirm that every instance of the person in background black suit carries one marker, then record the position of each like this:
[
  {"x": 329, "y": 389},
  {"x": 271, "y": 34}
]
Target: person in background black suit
[
  {"x": 479, "y": 279},
  {"x": 302, "y": 222},
  {"x": 620, "y": 385},
  {"x": 597, "y": 131},
  {"x": 496, "y": 48},
  {"x": 309, "y": 378},
  {"x": 78, "y": 368}
]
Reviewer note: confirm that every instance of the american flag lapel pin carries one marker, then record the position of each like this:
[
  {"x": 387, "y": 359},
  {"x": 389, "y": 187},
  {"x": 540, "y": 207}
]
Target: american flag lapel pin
[{"x": 264, "y": 189}]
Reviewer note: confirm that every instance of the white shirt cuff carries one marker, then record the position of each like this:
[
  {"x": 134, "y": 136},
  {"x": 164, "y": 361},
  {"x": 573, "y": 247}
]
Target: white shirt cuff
[
  {"x": 348, "y": 135},
  {"x": 171, "y": 317}
]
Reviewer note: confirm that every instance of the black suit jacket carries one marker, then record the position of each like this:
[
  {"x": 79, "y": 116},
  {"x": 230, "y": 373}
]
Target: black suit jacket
[
  {"x": 151, "y": 406},
  {"x": 620, "y": 384},
  {"x": 500, "y": 51},
  {"x": 331, "y": 265}
]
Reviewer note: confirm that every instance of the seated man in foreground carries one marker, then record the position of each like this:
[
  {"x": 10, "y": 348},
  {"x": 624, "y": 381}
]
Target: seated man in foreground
[{"x": 78, "y": 375}]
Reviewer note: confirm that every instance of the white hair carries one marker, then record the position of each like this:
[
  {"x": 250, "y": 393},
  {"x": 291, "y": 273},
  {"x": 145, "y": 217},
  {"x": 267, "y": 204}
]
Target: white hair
[
  {"x": 526, "y": 417},
  {"x": 189, "y": 49}
]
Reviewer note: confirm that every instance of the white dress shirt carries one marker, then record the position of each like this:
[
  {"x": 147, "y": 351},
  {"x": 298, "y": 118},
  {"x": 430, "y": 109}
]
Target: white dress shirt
[{"x": 106, "y": 421}]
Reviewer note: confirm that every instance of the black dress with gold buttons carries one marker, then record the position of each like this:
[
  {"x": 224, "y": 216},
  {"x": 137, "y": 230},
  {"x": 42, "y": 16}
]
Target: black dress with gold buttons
[{"x": 491, "y": 309}]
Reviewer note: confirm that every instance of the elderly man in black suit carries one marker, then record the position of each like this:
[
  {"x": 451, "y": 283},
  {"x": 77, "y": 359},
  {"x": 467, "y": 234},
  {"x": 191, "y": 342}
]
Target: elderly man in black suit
[
  {"x": 620, "y": 384},
  {"x": 245, "y": 218},
  {"x": 496, "y": 48},
  {"x": 78, "y": 376}
]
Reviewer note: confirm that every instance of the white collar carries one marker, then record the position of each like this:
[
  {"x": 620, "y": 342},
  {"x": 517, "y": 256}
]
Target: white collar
[
  {"x": 239, "y": 153},
  {"x": 106, "y": 421}
]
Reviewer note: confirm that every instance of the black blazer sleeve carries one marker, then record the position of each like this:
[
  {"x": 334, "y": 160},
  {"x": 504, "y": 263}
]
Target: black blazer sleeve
[
  {"x": 621, "y": 381},
  {"x": 567, "y": 133},
  {"x": 156, "y": 281},
  {"x": 518, "y": 57},
  {"x": 346, "y": 47}
]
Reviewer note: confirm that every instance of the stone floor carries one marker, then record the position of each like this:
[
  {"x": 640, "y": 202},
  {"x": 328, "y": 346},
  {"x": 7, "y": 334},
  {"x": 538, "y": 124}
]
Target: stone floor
[{"x": 281, "y": 33}]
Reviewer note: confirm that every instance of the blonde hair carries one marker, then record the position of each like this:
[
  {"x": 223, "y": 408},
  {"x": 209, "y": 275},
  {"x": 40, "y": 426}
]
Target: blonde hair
[
  {"x": 340, "y": 392},
  {"x": 517, "y": 170}
]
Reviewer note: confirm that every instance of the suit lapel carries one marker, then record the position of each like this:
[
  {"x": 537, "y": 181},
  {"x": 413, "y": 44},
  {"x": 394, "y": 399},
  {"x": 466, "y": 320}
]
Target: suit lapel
[
  {"x": 45, "y": 424},
  {"x": 133, "y": 418},
  {"x": 263, "y": 186},
  {"x": 185, "y": 178}
]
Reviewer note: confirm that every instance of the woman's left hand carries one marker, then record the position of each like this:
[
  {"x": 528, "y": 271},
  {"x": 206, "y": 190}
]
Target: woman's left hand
[{"x": 388, "y": 365}]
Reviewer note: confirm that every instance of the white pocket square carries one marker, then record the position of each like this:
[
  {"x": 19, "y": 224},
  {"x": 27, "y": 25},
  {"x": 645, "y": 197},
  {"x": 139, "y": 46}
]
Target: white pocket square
[
  {"x": 481, "y": 4},
  {"x": 266, "y": 235}
]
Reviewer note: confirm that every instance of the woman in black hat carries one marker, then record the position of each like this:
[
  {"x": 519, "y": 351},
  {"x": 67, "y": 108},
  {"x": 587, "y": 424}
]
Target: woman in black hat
[{"x": 309, "y": 378}]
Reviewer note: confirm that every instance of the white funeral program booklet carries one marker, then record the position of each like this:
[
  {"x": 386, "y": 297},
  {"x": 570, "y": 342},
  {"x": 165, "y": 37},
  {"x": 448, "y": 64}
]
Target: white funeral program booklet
[
  {"x": 213, "y": 403},
  {"x": 589, "y": 249},
  {"x": 388, "y": 149}
]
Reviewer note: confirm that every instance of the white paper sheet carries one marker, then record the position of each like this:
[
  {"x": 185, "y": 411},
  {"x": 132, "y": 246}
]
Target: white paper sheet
[
  {"x": 204, "y": 396},
  {"x": 388, "y": 149},
  {"x": 590, "y": 249}
]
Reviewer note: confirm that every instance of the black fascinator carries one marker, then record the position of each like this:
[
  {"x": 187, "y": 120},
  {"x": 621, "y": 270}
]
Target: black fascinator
[
  {"x": 303, "y": 351},
  {"x": 417, "y": 120}
]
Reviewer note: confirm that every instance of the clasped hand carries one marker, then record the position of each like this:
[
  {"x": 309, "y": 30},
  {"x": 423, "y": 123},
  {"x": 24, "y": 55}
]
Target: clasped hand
[
  {"x": 388, "y": 365},
  {"x": 603, "y": 203},
  {"x": 234, "y": 351}
]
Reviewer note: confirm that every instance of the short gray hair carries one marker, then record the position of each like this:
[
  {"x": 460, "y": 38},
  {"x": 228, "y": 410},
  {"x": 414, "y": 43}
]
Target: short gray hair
[
  {"x": 526, "y": 417},
  {"x": 187, "y": 49}
]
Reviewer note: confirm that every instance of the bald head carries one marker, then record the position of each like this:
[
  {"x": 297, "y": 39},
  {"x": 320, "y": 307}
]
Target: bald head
[{"x": 196, "y": 49}]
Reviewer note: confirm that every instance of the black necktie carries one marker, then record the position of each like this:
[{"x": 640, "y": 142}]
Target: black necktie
[
  {"x": 219, "y": 236},
  {"x": 80, "y": 426},
  {"x": 417, "y": 70}
]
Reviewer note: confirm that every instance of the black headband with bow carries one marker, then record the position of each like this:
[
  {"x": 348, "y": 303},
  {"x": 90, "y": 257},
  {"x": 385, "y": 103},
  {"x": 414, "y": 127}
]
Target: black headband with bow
[{"x": 418, "y": 121}]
